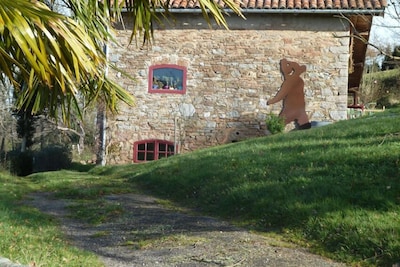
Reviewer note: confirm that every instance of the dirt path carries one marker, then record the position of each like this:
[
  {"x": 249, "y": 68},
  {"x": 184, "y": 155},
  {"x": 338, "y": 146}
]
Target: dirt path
[{"x": 148, "y": 234}]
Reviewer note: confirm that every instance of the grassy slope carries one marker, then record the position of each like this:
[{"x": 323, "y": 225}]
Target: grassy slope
[
  {"x": 381, "y": 87},
  {"x": 29, "y": 237},
  {"x": 335, "y": 189}
]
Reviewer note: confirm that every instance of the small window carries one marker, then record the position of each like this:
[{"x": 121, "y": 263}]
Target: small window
[
  {"x": 148, "y": 150},
  {"x": 167, "y": 79}
]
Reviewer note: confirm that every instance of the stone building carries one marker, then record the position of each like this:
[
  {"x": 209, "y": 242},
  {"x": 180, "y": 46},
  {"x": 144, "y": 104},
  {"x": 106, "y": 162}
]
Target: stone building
[{"x": 198, "y": 86}]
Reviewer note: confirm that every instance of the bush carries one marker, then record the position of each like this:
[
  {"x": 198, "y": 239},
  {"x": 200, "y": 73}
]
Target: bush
[
  {"x": 52, "y": 158},
  {"x": 21, "y": 163},
  {"x": 275, "y": 124}
]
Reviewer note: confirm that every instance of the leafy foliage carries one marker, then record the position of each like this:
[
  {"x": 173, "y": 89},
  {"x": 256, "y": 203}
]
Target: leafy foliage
[
  {"x": 25, "y": 127},
  {"x": 60, "y": 58},
  {"x": 52, "y": 158},
  {"x": 275, "y": 123},
  {"x": 21, "y": 163},
  {"x": 391, "y": 62},
  {"x": 381, "y": 87},
  {"x": 55, "y": 58}
]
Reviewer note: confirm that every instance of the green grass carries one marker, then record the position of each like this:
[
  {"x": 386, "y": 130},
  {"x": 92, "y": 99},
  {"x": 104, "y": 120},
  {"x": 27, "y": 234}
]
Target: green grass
[
  {"x": 95, "y": 211},
  {"x": 334, "y": 189},
  {"x": 27, "y": 236},
  {"x": 381, "y": 87}
]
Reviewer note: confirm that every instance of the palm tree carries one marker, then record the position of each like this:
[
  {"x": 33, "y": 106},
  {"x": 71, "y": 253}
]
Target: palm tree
[
  {"x": 52, "y": 60},
  {"x": 55, "y": 60}
]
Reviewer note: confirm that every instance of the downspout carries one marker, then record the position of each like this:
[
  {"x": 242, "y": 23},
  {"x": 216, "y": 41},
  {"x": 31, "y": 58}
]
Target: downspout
[
  {"x": 101, "y": 121},
  {"x": 104, "y": 117},
  {"x": 175, "y": 134}
]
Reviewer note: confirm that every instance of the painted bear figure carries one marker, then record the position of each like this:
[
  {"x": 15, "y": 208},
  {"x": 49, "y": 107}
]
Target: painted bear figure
[{"x": 292, "y": 94}]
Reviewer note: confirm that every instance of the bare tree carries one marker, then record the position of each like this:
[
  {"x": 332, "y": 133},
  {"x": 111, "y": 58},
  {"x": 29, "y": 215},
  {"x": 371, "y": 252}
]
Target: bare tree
[
  {"x": 385, "y": 33},
  {"x": 7, "y": 122}
]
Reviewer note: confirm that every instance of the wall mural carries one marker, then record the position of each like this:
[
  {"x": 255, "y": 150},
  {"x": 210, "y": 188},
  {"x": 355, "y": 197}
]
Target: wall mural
[{"x": 292, "y": 95}]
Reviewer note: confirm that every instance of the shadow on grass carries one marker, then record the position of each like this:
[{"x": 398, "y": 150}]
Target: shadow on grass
[
  {"x": 303, "y": 181},
  {"x": 79, "y": 167}
]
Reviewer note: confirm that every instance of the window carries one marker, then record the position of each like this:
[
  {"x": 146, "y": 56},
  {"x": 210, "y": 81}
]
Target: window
[
  {"x": 148, "y": 150},
  {"x": 167, "y": 79}
]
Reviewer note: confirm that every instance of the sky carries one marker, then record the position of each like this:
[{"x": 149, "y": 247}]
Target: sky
[{"x": 386, "y": 30}]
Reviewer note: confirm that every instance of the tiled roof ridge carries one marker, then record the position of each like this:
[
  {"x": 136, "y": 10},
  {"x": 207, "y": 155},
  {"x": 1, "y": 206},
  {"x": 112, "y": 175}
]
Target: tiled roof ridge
[{"x": 286, "y": 4}]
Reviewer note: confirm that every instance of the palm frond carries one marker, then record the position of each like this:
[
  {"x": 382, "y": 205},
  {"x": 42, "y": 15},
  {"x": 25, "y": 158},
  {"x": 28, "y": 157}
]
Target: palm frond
[
  {"x": 52, "y": 59},
  {"x": 54, "y": 56}
]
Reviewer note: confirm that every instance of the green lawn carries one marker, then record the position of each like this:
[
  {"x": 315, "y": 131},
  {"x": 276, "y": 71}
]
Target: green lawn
[{"x": 334, "y": 189}]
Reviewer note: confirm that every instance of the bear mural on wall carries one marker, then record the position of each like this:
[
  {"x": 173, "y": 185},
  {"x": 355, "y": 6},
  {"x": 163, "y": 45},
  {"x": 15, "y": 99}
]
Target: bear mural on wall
[{"x": 292, "y": 94}]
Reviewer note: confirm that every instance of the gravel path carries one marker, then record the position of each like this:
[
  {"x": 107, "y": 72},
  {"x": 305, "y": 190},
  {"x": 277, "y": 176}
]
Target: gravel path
[{"x": 148, "y": 234}]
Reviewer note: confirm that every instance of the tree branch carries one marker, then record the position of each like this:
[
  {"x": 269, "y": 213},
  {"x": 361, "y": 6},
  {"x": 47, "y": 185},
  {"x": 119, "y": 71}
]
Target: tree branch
[{"x": 357, "y": 35}]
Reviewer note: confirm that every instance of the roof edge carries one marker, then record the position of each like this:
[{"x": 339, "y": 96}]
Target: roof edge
[
  {"x": 373, "y": 12},
  {"x": 316, "y": 11}
]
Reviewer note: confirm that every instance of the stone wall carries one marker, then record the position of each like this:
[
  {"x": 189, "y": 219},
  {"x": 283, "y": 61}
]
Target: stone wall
[{"x": 230, "y": 76}]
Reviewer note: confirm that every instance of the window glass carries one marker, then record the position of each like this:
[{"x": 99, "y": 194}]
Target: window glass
[
  {"x": 162, "y": 147},
  {"x": 170, "y": 148},
  {"x": 150, "y": 146},
  {"x": 141, "y": 156},
  {"x": 167, "y": 79},
  {"x": 148, "y": 150},
  {"x": 150, "y": 156}
]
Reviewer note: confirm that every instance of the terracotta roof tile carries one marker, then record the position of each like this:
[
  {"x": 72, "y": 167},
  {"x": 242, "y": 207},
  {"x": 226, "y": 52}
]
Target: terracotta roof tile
[
  {"x": 190, "y": 4},
  {"x": 305, "y": 4},
  {"x": 378, "y": 4},
  {"x": 260, "y": 4},
  {"x": 251, "y": 3},
  {"x": 176, "y": 3},
  {"x": 313, "y": 4},
  {"x": 352, "y": 4},
  {"x": 297, "y": 4},
  {"x": 274, "y": 4},
  {"x": 336, "y": 4},
  {"x": 284, "y": 4}
]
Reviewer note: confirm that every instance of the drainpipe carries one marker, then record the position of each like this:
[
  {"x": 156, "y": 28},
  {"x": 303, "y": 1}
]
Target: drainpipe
[
  {"x": 175, "y": 138},
  {"x": 103, "y": 143},
  {"x": 101, "y": 121},
  {"x": 104, "y": 122}
]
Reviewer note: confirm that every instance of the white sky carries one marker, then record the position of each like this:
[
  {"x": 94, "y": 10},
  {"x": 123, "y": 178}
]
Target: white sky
[{"x": 386, "y": 30}]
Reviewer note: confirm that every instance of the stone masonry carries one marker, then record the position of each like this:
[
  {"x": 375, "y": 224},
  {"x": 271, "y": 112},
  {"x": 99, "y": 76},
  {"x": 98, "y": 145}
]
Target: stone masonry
[{"x": 230, "y": 76}]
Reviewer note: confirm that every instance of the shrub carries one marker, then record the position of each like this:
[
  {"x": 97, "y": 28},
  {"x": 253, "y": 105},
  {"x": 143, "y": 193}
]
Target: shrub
[
  {"x": 52, "y": 158},
  {"x": 275, "y": 124},
  {"x": 21, "y": 163}
]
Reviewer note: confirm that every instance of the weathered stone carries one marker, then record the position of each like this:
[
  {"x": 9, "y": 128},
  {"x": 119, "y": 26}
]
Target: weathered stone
[{"x": 230, "y": 76}]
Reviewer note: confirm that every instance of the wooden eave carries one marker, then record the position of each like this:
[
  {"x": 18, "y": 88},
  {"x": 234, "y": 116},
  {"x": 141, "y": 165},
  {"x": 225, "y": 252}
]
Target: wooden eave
[{"x": 360, "y": 26}]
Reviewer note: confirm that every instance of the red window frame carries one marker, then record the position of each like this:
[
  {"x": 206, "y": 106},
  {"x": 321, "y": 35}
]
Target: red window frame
[
  {"x": 178, "y": 82},
  {"x": 152, "y": 149}
]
